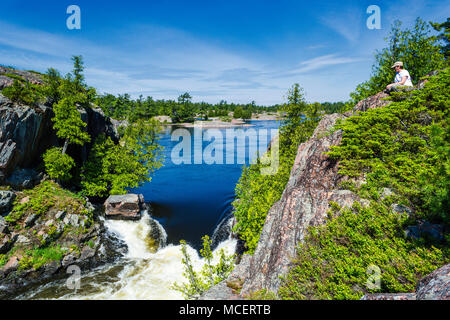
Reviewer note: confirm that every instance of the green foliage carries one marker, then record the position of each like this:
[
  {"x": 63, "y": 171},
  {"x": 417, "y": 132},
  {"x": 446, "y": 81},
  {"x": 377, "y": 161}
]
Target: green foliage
[
  {"x": 335, "y": 259},
  {"x": 185, "y": 110},
  {"x": 262, "y": 294},
  {"x": 123, "y": 107},
  {"x": 416, "y": 48},
  {"x": 52, "y": 80},
  {"x": 336, "y": 107},
  {"x": 257, "y": 192},
  {"x": 112, "y": 168},
  {"x": 237, "y": 114},
  {"x": 444, "y": 36},
  {"x": 23, "y": 93},
  {"x": 67, "y": 121},
  {"x": 38, "y": 203},
  {"x": 225, "y": 119},
  {"x": 403, "y": 146},
  {"x": 78, "y": 67},
  {"x": 12, "y": 76},
  {"x": 246, "y": 115},
  {"x": 37, "y": 257},
  {"x": 3, "y": 259},
  {"x": 58, "y": 165},
  {"x": 210, "y": 274},
  {"x": 43, "y": 197}
]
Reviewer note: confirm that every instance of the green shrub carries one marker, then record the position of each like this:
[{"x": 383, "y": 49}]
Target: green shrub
[
  {"x": 257, "y": 192},
  {"x": 27, "y": 94},
  {"x": 112, "y": 168},
  {"x": 403, "y": 146},
  {"x": 335, "y": 260},
  {"x": 58, "y": 165},
  {"x": 210, "y": 275}
]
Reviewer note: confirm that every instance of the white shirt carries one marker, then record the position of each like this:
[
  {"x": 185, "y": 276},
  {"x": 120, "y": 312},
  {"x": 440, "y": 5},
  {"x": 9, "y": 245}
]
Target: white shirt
[{"x": 400, "y": 75}]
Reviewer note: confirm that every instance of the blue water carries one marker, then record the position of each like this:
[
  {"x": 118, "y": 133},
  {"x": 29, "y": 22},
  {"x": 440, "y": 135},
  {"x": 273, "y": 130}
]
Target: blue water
[{"x": 189, "y": 200}]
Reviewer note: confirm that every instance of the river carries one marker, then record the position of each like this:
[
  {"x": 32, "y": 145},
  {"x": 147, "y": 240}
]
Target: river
[{"x": 187, "y": 200}]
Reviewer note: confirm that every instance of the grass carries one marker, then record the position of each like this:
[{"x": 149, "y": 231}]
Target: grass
[{"x": 37, "y": 257}]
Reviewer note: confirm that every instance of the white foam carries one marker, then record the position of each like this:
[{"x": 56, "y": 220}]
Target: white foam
[{"x": 147, "y": 274}]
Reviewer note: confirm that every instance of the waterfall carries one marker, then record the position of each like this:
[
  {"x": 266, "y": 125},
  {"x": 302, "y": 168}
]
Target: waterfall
[
  {"x": 148, "y": 270},
  {"x": 223, "y": 231}
]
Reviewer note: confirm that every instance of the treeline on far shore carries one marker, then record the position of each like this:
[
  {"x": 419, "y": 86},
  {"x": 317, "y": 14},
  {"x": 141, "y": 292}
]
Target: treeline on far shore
[{"x": 185, "y": 110}]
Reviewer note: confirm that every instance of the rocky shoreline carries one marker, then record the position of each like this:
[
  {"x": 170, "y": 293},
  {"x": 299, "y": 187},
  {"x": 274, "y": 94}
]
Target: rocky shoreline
[
  {"x": 44, "y": 228},
  {"x": 217, "y": 123},
  {"x": 84, "y": 243},
  {"x": 39, "y": 247}
]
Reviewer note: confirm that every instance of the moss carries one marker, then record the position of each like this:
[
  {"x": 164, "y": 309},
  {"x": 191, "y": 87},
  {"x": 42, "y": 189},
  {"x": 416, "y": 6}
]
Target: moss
[
  {"x": 3, "y": 260},
  {"x": 235, "y": 286},
  {"x": 263, "y": 294},
  {"x": 37, "y": 257}
]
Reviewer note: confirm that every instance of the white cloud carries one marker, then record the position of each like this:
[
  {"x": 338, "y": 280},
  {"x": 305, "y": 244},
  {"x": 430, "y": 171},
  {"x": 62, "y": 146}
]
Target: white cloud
[{"x": 164, "y": 63}]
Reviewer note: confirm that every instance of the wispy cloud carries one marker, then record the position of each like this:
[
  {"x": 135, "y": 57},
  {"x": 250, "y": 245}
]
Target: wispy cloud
[
  {"x": 317, "y": 63},
  {"x": 164, "y": 63},
  {"x": 346, "y": 22}
]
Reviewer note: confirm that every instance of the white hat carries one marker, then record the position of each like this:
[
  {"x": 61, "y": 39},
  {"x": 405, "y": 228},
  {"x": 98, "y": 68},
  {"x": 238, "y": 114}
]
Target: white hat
[{"x": 398, "y": 63}]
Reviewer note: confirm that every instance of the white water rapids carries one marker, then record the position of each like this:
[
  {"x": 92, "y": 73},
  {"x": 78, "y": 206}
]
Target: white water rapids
[{"x": 141, "y": 274}]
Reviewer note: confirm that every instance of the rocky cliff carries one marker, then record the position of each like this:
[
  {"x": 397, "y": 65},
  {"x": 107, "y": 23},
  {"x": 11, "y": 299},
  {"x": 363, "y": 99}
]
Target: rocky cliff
[
  {"x": 45, "y": 229},
  {"x": 313, "y": 184},
  {"x": 26, "y": 132}
]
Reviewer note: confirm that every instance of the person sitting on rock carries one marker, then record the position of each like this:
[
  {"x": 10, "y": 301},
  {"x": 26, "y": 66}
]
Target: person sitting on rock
[{"x": 402, "y": 77}]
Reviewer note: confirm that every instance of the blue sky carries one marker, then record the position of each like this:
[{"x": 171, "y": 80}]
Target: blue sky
[{"x": 237, "y": 51}]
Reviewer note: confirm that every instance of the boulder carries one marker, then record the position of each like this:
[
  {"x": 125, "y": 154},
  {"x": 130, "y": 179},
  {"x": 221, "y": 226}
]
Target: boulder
[
  {"x": 11, "y": 265},
  {"x": 7, "y": 155},
  {"x": 435, "y": 286},
  {"x": 124, "y": 207},
  {"x": 31, "y": 220},
  {"x": 401, "y": 209},
  {"x": 32, "y": 77},
  {"x": 26, "y": 132},
  {"x": 24, "y": 179},
  {"x": 432, "y": 230},
  {"x": 313, "y": 183},
  {"x": 7, "y": 243},
  {"x": 6, "y": 201},
  {"x": 3, "y": 226},
  {"x": 72, "y": 220},
  {"x": 5, "y": 82},
  {"x": 60, "y": 215}
]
